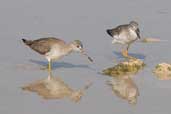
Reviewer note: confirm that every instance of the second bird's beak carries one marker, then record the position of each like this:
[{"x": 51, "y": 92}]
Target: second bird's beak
[{"x": 85, "y": 54}]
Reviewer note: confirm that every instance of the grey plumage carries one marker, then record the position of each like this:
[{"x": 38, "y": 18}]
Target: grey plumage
[
  {"x": 55, "y": 49},
  {"x": 43, "y": 45},
  {"x": 125, "y": 33},
  {"x": 117, "y": 29},
  {"x": 134, "y": 24},
  {"x": 138, "y": 32}
]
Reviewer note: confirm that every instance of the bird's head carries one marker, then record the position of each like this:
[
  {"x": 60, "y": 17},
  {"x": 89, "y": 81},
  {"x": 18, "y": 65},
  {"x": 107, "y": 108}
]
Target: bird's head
[
  {"x": 133, "y": 25},
  {"x": 77, "y": 46}
]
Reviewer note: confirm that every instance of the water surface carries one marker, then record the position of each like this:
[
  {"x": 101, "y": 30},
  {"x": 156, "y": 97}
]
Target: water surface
[{"x": 85, "y": 20}]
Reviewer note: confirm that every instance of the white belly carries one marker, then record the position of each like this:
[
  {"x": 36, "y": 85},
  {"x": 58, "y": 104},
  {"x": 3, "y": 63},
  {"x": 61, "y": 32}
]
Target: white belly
[
  {"x": 125, "y": 37},
  {"x": 133, "y": 34},
  {"x": 55, "y": 54},
  {"x": 119, "y": 39}
]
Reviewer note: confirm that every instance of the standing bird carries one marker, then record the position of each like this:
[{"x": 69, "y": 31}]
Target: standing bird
[
  {"x": 125, "y": 34},
  {"x": 54, "y": 49}
]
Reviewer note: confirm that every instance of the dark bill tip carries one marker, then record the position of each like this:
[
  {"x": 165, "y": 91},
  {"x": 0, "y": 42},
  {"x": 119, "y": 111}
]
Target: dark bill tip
[{"x": 90, "y": 59}]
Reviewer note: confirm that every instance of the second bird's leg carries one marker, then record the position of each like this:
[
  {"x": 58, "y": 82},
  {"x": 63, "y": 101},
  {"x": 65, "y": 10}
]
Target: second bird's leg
[{"x": 125, "y": 53}]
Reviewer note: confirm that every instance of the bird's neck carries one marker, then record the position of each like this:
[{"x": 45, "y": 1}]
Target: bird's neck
[
  {"x": 68, "y": 48},
  {"x": 133, "y": 27}
]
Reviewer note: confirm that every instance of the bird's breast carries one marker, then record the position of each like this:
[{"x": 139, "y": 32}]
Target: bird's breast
[
  {"x": 55, "y": 54},
  {"x": 132, "y": 34}
]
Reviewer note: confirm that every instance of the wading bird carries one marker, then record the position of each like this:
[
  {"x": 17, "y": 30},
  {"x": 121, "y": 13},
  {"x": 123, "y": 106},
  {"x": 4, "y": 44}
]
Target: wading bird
[
  {"x": 125, "y": 34},
  {"x": 54, "y": 49}
]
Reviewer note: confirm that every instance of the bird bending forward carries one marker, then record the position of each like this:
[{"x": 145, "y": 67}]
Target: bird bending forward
[{"x": 54, "y": 48}]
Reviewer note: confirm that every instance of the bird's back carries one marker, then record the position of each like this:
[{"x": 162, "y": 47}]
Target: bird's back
[
  {"x": 43, "y": 45},
  {"x": 117, "y": 30},
  {"x": 123, "y": 34},
  {"x": 121, "y": 28}
]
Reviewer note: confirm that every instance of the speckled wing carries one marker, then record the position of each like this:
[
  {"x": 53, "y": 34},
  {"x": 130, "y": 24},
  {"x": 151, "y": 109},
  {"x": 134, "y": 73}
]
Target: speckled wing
[
  {"x": 43, "y": 45},
  {"x": 138, "y": 33},
  {"x": 119, "y": 29}
]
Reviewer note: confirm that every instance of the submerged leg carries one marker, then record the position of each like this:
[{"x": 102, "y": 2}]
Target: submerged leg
[
  {"x": 125, "y": 53},
  {"x": 49, "y": 69},
  {"x": 127, "y": 48},
  {"x": 49, "y": 66}
]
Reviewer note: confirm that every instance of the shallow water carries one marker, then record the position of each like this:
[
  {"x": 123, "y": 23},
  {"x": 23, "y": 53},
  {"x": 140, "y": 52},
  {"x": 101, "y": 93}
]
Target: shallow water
[{"x": 87, "y": 21}]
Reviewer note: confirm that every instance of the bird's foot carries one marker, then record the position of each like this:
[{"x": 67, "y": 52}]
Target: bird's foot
[{"x": 125, "y": 54}]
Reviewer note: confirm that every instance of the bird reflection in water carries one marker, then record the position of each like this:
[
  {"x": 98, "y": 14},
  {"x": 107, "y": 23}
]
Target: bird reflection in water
[
  {"x": 125, "y": 88},
  {"x": 55, "y": 88}
]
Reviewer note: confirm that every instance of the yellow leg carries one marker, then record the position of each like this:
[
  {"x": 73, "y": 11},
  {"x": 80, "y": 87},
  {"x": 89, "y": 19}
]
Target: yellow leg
[
  {"x": 49, "y": 69},
  {"x": 125, "y": 54},
  {"x": 49, "y": 66}
]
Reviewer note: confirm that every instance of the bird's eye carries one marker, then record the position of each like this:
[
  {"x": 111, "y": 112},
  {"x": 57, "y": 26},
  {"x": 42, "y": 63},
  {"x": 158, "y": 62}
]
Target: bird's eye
[{"x": 78, "y": 46}]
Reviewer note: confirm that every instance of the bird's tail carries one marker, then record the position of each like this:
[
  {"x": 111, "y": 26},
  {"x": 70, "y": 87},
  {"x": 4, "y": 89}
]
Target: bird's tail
[
  {"x": 27, "y": 42},
  {"x": 109, "y": 31}
]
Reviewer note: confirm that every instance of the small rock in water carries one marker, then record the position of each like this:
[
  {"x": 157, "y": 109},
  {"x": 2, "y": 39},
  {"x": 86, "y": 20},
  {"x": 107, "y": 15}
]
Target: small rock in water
[
  {"x": 132, "y": 66},
  {"x": 163, "y": 71}
]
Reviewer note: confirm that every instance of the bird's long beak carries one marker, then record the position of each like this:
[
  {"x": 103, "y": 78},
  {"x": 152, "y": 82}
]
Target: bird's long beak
[{"x": 85, "y": 54}]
